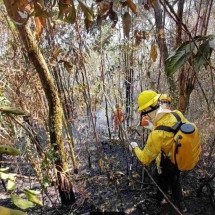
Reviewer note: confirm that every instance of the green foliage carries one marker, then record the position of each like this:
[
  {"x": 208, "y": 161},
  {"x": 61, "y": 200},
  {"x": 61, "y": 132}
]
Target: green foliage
[
  {"x": 6, "y": 176},
  {"x": 3, "y": 100},
  {"x": 11, "y": 25},
  {"x": 32, "y": 196},
  {"x": 12, "y": 110},
  {"x": 21, "y": 203},
  {"x": 9, "y": 150},
  {"x": 11, "y": 185},
  {"x": 196, "y": 51},
  {"x": 47, "y": 163},
  {"x": 50, "y": 157},
  {"x": 4, "y": 169},
  {"x": 203, "y": 55}
]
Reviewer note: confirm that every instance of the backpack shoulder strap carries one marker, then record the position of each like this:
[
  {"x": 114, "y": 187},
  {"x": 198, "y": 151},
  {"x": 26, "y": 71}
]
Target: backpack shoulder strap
[
  {"x": 165, "y": 128},
  {"x": 174, "y": 129},
  {"x": 176, "y": 116}
]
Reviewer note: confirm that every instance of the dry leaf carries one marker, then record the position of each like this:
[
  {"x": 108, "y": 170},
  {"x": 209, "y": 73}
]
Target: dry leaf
[
  {"x": 64, "y": 8},
  {"x": 103, "y": 8},
  {"x": 40, "y": 24},
  {"x": 132, "y": 6},
  {"x": 101, "y": 165},
  {"x": 126, "y": 21},
  {"x": 161, "y": 33},
  {"x": 153, "y": 52},
  {"x": 88, "y": 24},
  {"x": 56, "y": 52},
  {"x": 68, "y": 66},
  {"x": 146, "y": 7},
  {"x": 88, "y": 12},
  {"x": 113, "y": 16},
  {"x": 71, "y": 16},
  {"x": 39, "y": 9},
  {"x": 151, "y": 3},
  {"x": 99, "y": 21},
  {"x": 139, "y": 35},
  {"x": 19, "y": 11}
]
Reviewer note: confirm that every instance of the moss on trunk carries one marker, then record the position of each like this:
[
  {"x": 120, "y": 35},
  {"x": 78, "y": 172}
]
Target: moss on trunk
[{"x": 55, "y": 108}]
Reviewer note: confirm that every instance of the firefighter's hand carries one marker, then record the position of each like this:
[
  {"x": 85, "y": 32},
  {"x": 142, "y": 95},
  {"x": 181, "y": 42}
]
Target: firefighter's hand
[
  {"x": 132, "y": 145},
  {"x": 145, "y": 122}
]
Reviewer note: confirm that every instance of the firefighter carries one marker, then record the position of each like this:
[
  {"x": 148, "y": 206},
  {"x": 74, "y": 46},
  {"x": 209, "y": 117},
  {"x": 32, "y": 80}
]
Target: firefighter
[
  {"x": 159, "y": 145},
  {"x": 118, "y": 119},
  {"x": 165, "y": 101}
]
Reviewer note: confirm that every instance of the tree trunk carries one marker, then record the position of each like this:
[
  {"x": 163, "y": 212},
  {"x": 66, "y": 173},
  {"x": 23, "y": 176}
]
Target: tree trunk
[
  {"x": 55, "y": 109},
  {"x": 55, "y": 114},
  {"x": 160, "y": 34},
  {"x": 159, "y": 21},
  {"x": 178, "y": 38},
  {"x": 186, "y": 85},
  {"x": 183, "y": 97}
]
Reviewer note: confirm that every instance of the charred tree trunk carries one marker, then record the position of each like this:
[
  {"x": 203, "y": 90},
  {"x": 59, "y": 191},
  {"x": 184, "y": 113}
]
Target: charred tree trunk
[
  {"x": 178, "y": 38},
  {"x": 55, "y": 109},
  {"x": 160, "y": 36},
  {"x": 128, "y": 81},
  {"x": 186, "y": 86},
  {"x": 159, "y": 21},
  {"x": 186, "y": 83},
  {"x": 186, "y": 79},
  {"x": 129, "y": 73}
]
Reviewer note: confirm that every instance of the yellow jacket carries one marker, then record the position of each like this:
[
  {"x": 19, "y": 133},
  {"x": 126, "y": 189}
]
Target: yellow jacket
[{"x": 159, "y": 140}]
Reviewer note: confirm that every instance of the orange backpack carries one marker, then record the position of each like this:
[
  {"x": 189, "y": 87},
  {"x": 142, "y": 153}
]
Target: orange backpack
[{"x": 187, "y": 148}]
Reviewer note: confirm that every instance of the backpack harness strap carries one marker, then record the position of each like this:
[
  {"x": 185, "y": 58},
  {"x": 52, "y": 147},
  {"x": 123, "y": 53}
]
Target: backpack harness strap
[{"x": 174, "y": 129}]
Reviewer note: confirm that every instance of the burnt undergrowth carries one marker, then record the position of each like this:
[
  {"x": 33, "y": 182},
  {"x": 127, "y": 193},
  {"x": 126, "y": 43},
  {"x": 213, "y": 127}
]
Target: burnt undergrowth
[{"x": 114, "y": 181}]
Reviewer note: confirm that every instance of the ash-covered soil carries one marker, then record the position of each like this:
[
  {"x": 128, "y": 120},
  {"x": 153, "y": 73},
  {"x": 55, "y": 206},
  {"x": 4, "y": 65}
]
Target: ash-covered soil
[{"x": 111, "y": 180}]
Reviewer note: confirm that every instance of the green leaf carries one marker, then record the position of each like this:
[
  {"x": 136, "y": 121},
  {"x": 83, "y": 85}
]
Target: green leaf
[
  {"x": 3, "y": 101},
  {"x": 12, "y": 110},
  {"x": 178, "y": 58},
  {"x": 11, "y": 185},
  {"x": 88, "y": 12},
  {"x": 31, "y": 196},
  {"x": 12, "y": 176},
  {"x": 182, "y": 54},
  {"x": 35, "y": 192},
  {"x": 9, "y": 150},
  {"x": 4, "y": 176},
  {"x": 4, "y": 169},
  {"x": 21, "y": 203},
  {"x": 8, "y": 211},
  {"x": 202, "y": 56}
]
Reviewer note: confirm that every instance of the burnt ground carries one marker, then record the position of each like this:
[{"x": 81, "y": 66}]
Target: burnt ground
[{"x": 109, "y": 185}]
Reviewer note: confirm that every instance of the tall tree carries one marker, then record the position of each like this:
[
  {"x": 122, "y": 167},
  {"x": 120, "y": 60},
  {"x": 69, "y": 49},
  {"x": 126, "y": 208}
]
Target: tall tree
[{"x": 17, "y": 12}]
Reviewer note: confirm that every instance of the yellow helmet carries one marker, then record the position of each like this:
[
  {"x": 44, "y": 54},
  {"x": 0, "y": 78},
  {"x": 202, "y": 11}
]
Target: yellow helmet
[
  {"x": 147, "y": 99},
  {"x": 165, "y": 98}
]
